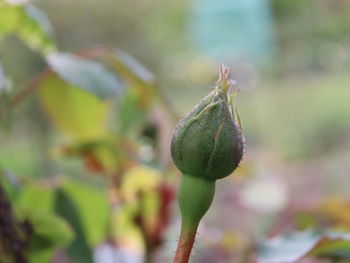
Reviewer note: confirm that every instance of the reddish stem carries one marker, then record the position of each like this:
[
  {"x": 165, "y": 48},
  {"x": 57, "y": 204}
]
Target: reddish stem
[{"x": 184, "y": 246}]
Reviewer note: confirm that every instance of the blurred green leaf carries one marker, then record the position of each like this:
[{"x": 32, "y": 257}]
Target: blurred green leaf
[
  {"x": 30, "y": 194},
  {"x": 129, "y": 68},
  {"x": 76, "y": 72},
  {"x": 5, "y": 111},
  {"x": 335, "y": 245},
  {"x": 134, "y": 105},
  {"x": 20, "y": 156},
  {"x": 28, "y": 23},
  {"x": 79, "y": 249},
  {"x": 75, "y": 111},
  {"x": 5, "y": 103},
  {"x": 85, "y": 74},
  {"x": 49, "y": 228},
  {"x": 297, "y": 245},
  {"x": 48, "y": 233},
  {"x": 42, "y": 256},
  {"x": 131, "y": 117},
  {"x": 140, "y": 80},
  {"x": 91, "y": 203}
]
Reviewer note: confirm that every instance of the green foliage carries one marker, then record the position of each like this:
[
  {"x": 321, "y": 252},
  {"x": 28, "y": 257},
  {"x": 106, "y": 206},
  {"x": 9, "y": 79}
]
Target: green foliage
[
  {"x": 5, "y": 111},
  {"x": 60, "y": 91},
  {"x": 131, "y": 116},
  {"x": 20, "y": 158},
  {"x": 31, "y": 193},
  {"x": 78, "y": 249},
  {"x": 288, "y": 248},
  {"x": 49, "y": 233},
  {"x": 28, "y": 23},
  {"x": 133, "y": 105},
  {"x": 5, "y": 107},
  {"x": 129, "y": 68},
  {"x": 33, "y": 204},
  {"x": 297, "y": 245},
  {"x": 77, "y": 112},
  {"x": 48, "y": 228},
  {"x": 91, "y": 204},
  {"x": 85, "y": 74}
]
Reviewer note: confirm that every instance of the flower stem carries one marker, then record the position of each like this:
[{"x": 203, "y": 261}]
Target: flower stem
[
  {"x": 185, "y": 245},
  {"x": 195, "y": 197}
]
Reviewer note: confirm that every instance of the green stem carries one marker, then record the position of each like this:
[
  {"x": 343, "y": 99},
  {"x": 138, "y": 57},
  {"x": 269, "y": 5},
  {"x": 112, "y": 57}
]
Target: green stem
[{"x": 195, "y": 197}]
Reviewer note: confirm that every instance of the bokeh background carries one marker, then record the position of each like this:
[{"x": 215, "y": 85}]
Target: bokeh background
[{"x": 291, "y": 61}]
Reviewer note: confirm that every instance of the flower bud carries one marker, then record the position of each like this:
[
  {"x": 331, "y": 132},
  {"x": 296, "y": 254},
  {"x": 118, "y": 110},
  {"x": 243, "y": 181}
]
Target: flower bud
[{"x": 208, "y": 141}]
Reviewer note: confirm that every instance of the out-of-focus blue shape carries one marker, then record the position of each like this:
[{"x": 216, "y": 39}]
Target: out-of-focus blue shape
[{"x": 233, "y": 29}]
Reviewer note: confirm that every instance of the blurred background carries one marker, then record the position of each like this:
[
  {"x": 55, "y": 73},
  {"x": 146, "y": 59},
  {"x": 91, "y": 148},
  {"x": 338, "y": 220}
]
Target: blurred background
[{"x": 88, "y": 170}]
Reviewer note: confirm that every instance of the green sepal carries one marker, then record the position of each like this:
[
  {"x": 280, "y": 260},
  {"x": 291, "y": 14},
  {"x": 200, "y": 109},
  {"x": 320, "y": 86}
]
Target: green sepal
[{"x": 195, "y": 197}]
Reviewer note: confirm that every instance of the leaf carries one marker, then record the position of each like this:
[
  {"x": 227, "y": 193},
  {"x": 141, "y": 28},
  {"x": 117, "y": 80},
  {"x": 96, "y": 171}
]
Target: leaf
[
  {"x": 78, "y": 250},
  {"x": 75, "y": 111},
  {"x": 49, "y": 228},
  {"x": 130, "y": 68},
  {"x": 139, "y": 191},
  {"x": 92, "y": 206},
  {"x": 123, "y": 226},
  {"x": 9, "y": 18},
  {"x": 133, "y": 106},
  {"x": 139, "y": 79},
  {"x": 131, "y": 117},
  {"x": 31, "y": 194},
  {"x": 297, "y": 245},
  {"x": 36, "y": 30},
  {"x": 78, "y": 72},
  {"x": 42, "y": 256},
  {"x": 5, "y": 111},
  {"x": 139, "y": 188},
  {"x": 85, "y": 74},
  {"x": 140, "y": 83},
  {"x": 288, "y": 248},
  {"x": 49, "y": 233},
  {"x": 335, "y": 244},
  {"x": 28, "y": 23},
  {"x": 5, "y": 103},
  {"x": 139, "y": 179}
]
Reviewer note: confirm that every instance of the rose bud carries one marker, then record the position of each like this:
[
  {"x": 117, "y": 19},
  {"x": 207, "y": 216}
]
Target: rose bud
[
  {"x": 207, "y": 145},
  {"x": 208, "y": 142}
]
